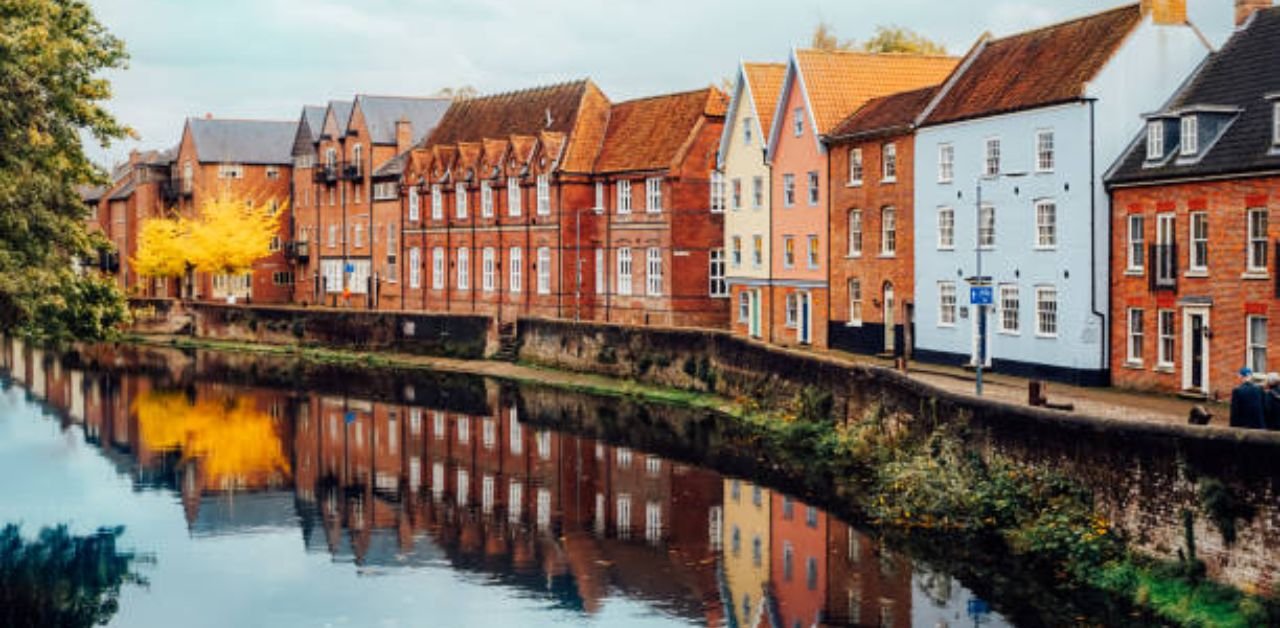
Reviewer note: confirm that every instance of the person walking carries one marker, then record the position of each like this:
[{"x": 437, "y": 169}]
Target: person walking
[
  {"x": 1273, "y": 401},
  {"x": 1248, "y": 403}
]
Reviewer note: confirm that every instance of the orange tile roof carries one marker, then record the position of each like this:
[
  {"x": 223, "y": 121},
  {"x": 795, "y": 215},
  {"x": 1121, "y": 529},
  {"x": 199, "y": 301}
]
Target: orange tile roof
[
  {"x": 648, "y": 133},
  {"x": 1040, "y": 67},
  {"x": 838, "y": 83},
  {"x": 765, "y": 81}
]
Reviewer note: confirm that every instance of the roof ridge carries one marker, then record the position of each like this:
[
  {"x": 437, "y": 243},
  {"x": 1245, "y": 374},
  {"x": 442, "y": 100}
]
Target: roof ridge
[
  {"x": 1081, "y": 18},
  {"x": 687, "y": 92},
  {"x": 390, "y": 97},
  {"x": 871, "y": 53},
  {"x": 273, "y": 121},
  {"x": 526, "y": 90}
]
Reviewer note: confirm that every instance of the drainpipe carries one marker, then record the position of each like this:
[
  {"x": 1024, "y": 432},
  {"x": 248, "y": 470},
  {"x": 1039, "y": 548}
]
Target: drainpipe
[{"x": 1093, "y": 246}]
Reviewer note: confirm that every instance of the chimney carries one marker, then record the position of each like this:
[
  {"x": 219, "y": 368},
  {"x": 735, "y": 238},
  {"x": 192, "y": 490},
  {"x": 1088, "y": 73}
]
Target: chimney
[
  {"x": 1246, "y": 8},
  {"x": 133, "y": 156},
  {"x": 1166, "y": 12},
  {"x": 404, "y": 135},
  {"x": 208, "y": 116}
]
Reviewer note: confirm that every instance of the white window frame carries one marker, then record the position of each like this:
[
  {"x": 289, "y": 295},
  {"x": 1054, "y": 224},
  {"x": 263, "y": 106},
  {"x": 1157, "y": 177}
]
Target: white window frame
[
  {"x": 788, "y": 251},
  {"x": 653, "y": 195},
  {"x": 1166, "y": 336},
  {"x": 747, "y": 124},
  {"x": 718, "y": 287},
  {"x": 513, "y": 197},
  {"x": 488, "y": 265},
  {"x": 1010, "y": 319},
  {"x": 856, "y": 232},
  {"x": 460, "y": 200},
  {"x": 544, "y": 270},
  {"x": 1190, "y": 135},
  {"x": 464, "y": 268},
  {"x": 1136, "y": 243},
  {"x": 1259, "y": 243},
  {"x": 1155, "y": 139},
  {"x": 1045, "y": 151},
  {"x": 623, "y": 260},
  {"x": 653, "y": 272},
  {"x": 757, "y": 192},
  {"x": 854, "y": 286},
  {"x": 946, "y": 162},
  {"x": 1275, "y": 122},
  {"x": 855, "y": 167},
  {"x": 736, "y": 188},
  {"x": 486, "y": 199},
  {"x": 1046, "y": 224},
  {"x": 437, "y": 202},
  {"x": 888, "y": 231},
  {"x": 1047, "y": 320},
  {"x": 812, "y": 249},
  {"x": 718, "y": 193},
  {"x": 414, "y": 204},
  {"x": 757, "y": 250},
  {"x": 991, "y": 157},
  {"x": 623, "y": 190},
  {"x": 515, "y": 270},
  {"x": 987, "y": 226},
  {"x": 544, "y": 194},
  {"x": 1135, "y": 334},
  {"x": 601, "y": 268},
  {"x": 814, "y": 188},
  {"x": 1198, "y": 253},
  {"x": 1255, "y": 345},
  {"x": 415, "y": 267},
  {"x": 736, "y": 251},
  {"x": 946, "y": 228},
  {"x": 437, "y": 268},
  {"x": 744, "y": 307},
  {"x": 889, "y": 162},
  {"x": 599, "y": 206},
  {"x": 792, "y": 309},
  {"x": 788, "y": 190},
  {"x": 797, "y": 121},
  {"x": 947, "y": 301}
]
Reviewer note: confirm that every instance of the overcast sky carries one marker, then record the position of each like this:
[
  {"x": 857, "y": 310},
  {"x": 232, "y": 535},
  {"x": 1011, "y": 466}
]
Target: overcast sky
[{"x": 267, "y": 58}]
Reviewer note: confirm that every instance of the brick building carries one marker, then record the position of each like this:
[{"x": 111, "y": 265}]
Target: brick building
[
  {"x": 303, "y": 251},
  {"x": 872, "y": 219},
  {"x": 243, "y": 159},
  {"x": 1193, "y": 246},
  {"x": 140, "y": 189}
]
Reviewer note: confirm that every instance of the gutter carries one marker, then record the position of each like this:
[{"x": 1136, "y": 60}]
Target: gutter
[{"x": 1093, "y": 243}]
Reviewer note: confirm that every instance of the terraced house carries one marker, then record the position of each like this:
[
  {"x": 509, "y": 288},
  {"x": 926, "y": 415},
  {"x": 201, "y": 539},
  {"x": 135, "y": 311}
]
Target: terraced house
[
  {"x": 1193, "y": 245},
  {"x": 1030, "y": 123},
  {"x": 819, "y": 90},
  {"x": 741, "y": 189},
  {"x": 306, "y": 199},
  {"x": 140, "y": 189}
]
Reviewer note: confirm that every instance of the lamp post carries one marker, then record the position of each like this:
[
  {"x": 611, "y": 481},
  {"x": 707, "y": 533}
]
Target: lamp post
[{"x": 982, "y": 282}]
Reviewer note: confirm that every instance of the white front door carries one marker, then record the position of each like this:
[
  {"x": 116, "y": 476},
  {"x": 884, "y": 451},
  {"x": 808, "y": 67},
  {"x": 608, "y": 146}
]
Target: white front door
[{"x": 1195, "y": 350}]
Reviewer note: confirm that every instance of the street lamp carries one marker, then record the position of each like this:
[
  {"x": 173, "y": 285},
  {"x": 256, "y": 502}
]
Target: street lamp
[{"x": 981, "y": 291}]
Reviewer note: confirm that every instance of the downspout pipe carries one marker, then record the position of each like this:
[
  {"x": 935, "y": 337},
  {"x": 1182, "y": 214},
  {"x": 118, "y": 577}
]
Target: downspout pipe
[{"x": 1104, "y": 331}]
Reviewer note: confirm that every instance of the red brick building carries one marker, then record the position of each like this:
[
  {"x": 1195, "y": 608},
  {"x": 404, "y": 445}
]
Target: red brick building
[
  {"x": 140, "y": 189},
  {"x": 872, "y": 222},
  {"x": 1194, "y": 276},
  {"x": 306, "y": 194}
]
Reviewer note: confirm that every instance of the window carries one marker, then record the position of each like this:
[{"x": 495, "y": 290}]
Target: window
[
  {"x": 230, "y": 171},
  {"x": 855, "y": 302},
  {"x": 1137, "y": 243},
  {"x": 719, "y": 287},
  {"x": 487, "y": 268},
  {"x": 757, "y": 192},
  {"x": 624, "y": 271},
  {"x": 757, "y": 251},
  {"x": 1047, "y": 311},
  {"x": 357, "y": 237},
  {"x": 437, "y": 202},
  {"x": 1135, "y": 336},
  {"x": 788, "y": 190},
  {"x": 811, "y": 574},
  {"x": 1275, "y": 123},
  {"x": 946, "y": 163},
  {"x": 1164, "y": 355},
  {"x": 717, "y": 193},
  {"x": 1190, "y": 135},
  {"x": 486, "y": 199},
  {"x": 460, "y": 199},
  {"x": 653, "y": 195},
  {"x": 1046, "y": 224},
  {"x": 946, "y": 228},
  {"x": 737, "y": 251},
  {"x": 599, "y": 206},
  {"x": 415, "y": 268},
  {"x": 793, "y": 307},
  {"x": 275, "y": 244},
  {"x": 813, "y": 188},
  {"x": 653, "y": 272},
  {"x": 437, "y": 268},
  {"x": 544, "y": 270},
  {"x": 1258, "y": 240},
  {"x": 746, "y": 130},
  {"x": 788, "y": 251},
  {"x": 813, "y": 251},
  {"x": 1044, "y": 151},
  {"x": 357, "y": 158},
  {"x": 889, "y": 162},
  {"x": 788, "y": 560},
  {"x": 987, "y": 226},
  {"x": 737, "y": 194},
  {"x": 1258, "y": 343},
  {"x": 623, "y": 189},
  {"x": 384, "y": 191},
  {"x": 946, "y": 303},
  {"x": 797, "y": 121},
  {"x": 992, "y": 159},
  {"x": 600, "y": 269},
  {"x": 1009, "y": 309},
  {"x": 1155, "y": 139},
  {"x": 273, "y": 172},
  {"x": 744, "y": 307},
  {"x": 855, "y": 232},
  {"x": 464, "y": 268},
  {"x": 855, "y": 166},
  {"x": 888, "y": 231},
  {"x": 333, "y": 236},
  {"x": 1199, "y": 241},
  {"x": 544, "y": 195},
  {"x": 187, "y": 174},
  {"x": 282, "y": 278},
  {"x": 513, "y": 196},
  {"x": 516, "y": 268}
]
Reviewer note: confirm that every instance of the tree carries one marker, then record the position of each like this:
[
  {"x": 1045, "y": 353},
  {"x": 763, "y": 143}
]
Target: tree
[
  {"x": 824, "y": 38},
  {"x": 230, "y": 235},
  {"x": 458, "y": 93},
  {"x": 162, "y": 248},
  {"x": 52, "y": 53},
  {"x": 886, "y": 39}
]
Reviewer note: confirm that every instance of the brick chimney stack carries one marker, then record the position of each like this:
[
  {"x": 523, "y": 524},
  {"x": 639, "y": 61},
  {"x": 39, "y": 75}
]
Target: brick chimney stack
[
  {"x": 404, "y": 135},
  {"x": 134, "y": 156},
  {"x": 1246, "y": 8},
  {"x": 1166, "y": 12}
]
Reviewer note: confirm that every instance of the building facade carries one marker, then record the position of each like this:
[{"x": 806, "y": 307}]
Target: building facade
[
  {"x": 140, "y": 189},
  {"x": 1029, "y": 123}
]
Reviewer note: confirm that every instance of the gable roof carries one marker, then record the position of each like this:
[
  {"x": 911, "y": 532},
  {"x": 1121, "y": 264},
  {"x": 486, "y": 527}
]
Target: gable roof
[
  {"x": 837, "y": 83},
  {"x": 894, "y": 113},
  {"x": 313, "y": 117},
  {"x": 764, "y": 81},
  {"x": 309, "y": 125},
  {"x": 243, "y": 141},
  {"x": 649, "y": 133},
  {"x": 1036, "y": 68},
  {"x": 381, "y": 113},
  {"x": 1241, "y": 76},
  {"x": 341, "y": 112}
]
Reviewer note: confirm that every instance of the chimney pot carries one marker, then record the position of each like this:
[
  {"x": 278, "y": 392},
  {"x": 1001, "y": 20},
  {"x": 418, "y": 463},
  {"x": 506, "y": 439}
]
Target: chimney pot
[
  {"x": 1165, "y": 12},
  {"x": 404, "y": 135},
  {"x": 1246, "y": 8}
]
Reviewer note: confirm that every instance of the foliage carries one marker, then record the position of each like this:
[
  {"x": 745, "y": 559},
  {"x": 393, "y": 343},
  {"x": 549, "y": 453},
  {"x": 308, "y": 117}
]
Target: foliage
[
  {"x": 1223, "y": 507},
  {"x": 462, "y": 92},
  {"x": 824, "y": 38},
  {"x": 52, "y": 53},
  {"x": 161, "y": 249},
  {"x": 62, "y": 580},
  {"x": 227, "y": 237},
  {"x": 886, "y": 39}
]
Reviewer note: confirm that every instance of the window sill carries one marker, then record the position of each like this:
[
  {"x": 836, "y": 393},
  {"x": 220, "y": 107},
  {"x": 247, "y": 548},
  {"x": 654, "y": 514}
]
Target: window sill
[
  {"x": 1048, "y": 249},
  {"x": 1012, "y": 334},
  {"x": 1047, "y": 336},
  {"x": 888, "y": 181},
  {"x": 855, "y": 256},
  {"x": 888, "y": 256},
  {"x": 946, "y": 248},
  {"x": 945, "y": 181},
  {"x": 853, "y": 184},
  {"x": 1135, "y": 366},
  {"x": 1164, "y": 368},
  {"x": 1196, "y": 274},
  {"x": 1255, "y": 275},
  {"x": 1130, "y": 272},
  {"x": 946, "y": 325}
]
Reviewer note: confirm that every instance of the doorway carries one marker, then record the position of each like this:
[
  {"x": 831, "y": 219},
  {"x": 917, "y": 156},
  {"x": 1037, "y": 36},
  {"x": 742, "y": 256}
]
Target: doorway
[
  {"x": 805, "y": 304},
  {"x": 890, "y": 334},
  {"x": 753, "y": 303},
  {"x": 1195, "y": 350}
]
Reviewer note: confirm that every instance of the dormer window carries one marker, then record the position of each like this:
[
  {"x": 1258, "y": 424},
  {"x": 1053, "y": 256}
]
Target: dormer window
[
  {"x": 1275, "y": 122},
  {"x": 1190, "y": 135},
  {"x": 1155, "y": 139}
]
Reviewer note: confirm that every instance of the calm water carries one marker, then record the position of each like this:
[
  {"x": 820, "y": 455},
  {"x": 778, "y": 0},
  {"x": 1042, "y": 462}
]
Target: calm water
[{"x": 323, "y": 503}]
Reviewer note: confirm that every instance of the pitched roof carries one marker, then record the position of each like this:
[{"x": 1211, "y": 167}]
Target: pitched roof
[
  {"x": 765, "y": 82},
  {"x": 313, "y": 117},
  {"x": 648, "y": 133},
  {"x": 242, "y": 141},
  {"x": 395, "y": 166},
  {"x": 1242, "y": 75},
  {"x": 124, "y": 192},
  {"x": 91, "y": 193},
  {"x": 886, "y": 114},
  {"x": 838, "y": 82},
  {"x": 1035, "y": 68},
  {"x": 381, "y": 113},
  {"x": 341, "y": 114},
  {"x": 308, "y": 134}
]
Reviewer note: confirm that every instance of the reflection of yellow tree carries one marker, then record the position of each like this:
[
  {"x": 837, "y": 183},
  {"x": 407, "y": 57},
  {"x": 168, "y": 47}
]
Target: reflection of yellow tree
[{"x": 236, "y": 443}]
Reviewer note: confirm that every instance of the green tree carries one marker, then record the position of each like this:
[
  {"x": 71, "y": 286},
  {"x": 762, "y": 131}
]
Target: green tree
[
  {"x": 886, "y": 39},
  {"x": 52, "y": 54},
  {"x": 458, "y": 93},
  {"x": 824, "y": 38}
]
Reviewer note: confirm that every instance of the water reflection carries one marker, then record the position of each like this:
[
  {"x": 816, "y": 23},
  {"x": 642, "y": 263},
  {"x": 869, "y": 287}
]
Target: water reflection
[
  {"x": 59, "y": 579},
  {"x": 463, "y": 483}
]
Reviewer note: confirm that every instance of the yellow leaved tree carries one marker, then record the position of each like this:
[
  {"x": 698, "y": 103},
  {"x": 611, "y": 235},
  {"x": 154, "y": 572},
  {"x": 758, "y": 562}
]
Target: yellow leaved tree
[
  {"x": 225, "y": 238},
  {"x": 162, "y": 248}
]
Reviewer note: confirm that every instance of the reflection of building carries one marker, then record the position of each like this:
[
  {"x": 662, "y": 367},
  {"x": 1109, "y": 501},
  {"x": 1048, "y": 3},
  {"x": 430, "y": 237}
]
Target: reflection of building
[
  {"x": 746, "y": 550},
  {"x": 866, "y": 583}
]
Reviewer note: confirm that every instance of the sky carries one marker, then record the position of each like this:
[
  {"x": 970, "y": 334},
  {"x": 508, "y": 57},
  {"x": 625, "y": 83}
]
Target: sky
[{"x": 267, "y": 58}]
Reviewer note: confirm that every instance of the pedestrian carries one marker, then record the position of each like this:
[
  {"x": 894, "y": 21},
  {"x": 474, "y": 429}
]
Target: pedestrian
[
  {"x": 1248, "y": 403},
  {"x": 1273, "y": 401}
]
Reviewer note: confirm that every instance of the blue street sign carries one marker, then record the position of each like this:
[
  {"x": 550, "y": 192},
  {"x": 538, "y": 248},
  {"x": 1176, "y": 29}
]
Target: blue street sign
[
  {"x": 981, "y": 295},
  {"x": 977, "y": 608},
  {"x": 351, "y": 268},
  {"x": 351, "y": 417}
]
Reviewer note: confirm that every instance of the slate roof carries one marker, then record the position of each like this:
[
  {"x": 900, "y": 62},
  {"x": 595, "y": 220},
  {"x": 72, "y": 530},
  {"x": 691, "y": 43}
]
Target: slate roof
[
  {"x": 308, "y": 133},
  {"x": 395, "y": 166},
  {"x": 313, "y": 116},
  {"x": 838, "y": 83},
  {"x": 124, "y": 192},
  {"x": 341, "y": 113},
  {"x": 255, "y": 142},
  {"x": 382, "y": 112},
  {"x": 649, "y": 133},
  {"x": 1242, "y": 74},
  {"x": 1036, "y": 68},
  {"x": 91, "y": 193},
  {"x": 895, "y": 113},
  {"x": 765, "y": 82}
]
